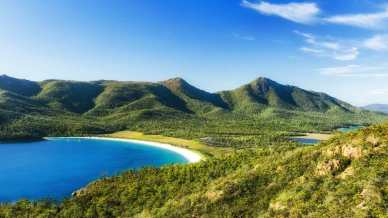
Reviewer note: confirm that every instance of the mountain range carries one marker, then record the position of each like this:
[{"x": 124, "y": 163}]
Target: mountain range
[
  {"x": 98, "y": 97},
  {"x": 59, "y": 107},
  {"x": 377, "y": 107}
]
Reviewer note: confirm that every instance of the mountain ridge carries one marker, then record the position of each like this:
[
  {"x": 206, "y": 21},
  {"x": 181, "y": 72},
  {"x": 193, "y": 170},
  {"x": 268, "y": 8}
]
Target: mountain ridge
[
  {"x": 61, "y": 107},
  {"x": 377, "y": 108},
  {"x": 261, "y": 93}
]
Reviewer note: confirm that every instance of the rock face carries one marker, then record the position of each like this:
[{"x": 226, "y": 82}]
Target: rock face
[
  {"x": 79, "y": 192},
  {"x": 346, "y": 173},
  {"x": 351, "y": 152},
  {"x": 328, "y": 167}
]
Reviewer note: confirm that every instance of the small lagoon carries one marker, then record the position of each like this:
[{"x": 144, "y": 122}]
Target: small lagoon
[
  {"x": 350, "y": 128},
  {"x": 306, "y": 141},
  {"x": 56, "y": 167}
]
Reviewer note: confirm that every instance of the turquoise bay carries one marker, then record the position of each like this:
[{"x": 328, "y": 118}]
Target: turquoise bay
[{"x": 56, "y": 167}]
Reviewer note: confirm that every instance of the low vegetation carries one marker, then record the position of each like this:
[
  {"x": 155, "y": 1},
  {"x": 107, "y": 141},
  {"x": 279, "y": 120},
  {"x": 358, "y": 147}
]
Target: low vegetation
[{"x": 343, "y": 177}]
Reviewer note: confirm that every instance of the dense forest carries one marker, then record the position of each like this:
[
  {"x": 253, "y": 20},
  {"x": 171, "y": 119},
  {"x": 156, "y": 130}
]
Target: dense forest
[{"x": 261, "y": 174}]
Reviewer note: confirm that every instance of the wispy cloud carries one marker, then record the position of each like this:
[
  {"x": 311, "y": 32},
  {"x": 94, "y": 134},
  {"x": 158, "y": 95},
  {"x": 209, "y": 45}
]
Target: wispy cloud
[
  {"x": 309, "y": 12},
  {"x": 328, "y": 48},
  {"x": 355, "y": 71},
  {"x": 312, "y": 50},
  {"x": 377, "y": 42},
  {"x": 244, "y": 37},
  {"x": 297, "y": 12},
  {"x": 342, "y": 50},
  {"x": 368, "y": 20}
]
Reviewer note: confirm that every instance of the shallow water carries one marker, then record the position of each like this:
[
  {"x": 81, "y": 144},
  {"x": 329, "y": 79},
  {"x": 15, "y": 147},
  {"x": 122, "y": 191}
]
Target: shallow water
[
  {"x": 350, "y": 128},
  {"x": 55, "y": 168},
  {"x": 307, "y": 141}
]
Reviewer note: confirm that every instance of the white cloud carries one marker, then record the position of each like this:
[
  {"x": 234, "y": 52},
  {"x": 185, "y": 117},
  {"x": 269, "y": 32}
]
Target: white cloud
[
  {"x": 297, "y": 12},
  {"x": 328, "y": 48},
  {"x": 371, "y": 20},
  {"x": 377, "y": 42},
  {"x": 355, "y": 71}
]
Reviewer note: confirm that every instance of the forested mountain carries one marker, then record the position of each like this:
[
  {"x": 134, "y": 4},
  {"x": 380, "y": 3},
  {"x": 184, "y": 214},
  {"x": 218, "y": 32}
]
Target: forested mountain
[
  {"x": 177, "y": 94},
  {"x": 57, "y": 107},
  {"x": 262, "y": 93}
]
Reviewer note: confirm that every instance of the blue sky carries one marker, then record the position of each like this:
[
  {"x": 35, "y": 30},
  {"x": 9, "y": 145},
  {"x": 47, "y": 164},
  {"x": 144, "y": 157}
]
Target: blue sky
[{"x": 338, "y": 47}]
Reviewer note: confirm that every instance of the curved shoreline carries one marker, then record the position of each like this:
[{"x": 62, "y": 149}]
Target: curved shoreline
[{"x": 190, "y": 156}]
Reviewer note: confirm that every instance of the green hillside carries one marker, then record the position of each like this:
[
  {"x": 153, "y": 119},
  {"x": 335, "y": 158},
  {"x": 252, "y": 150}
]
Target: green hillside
[
  {"x": 84, "y": 96},
  {"x": 130, "y": 96},
  {"x": 56, "y": 107},
  {"x": 177, "y": 94},
  {"x": 77, "y": 97}
]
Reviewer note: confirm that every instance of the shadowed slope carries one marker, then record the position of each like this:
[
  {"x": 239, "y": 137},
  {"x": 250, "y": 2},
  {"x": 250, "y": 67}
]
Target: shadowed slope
[
  {"x": 19, "y": 86},
  {"x": 127, "y": 96},
  {"x": 197, "y": 99}
]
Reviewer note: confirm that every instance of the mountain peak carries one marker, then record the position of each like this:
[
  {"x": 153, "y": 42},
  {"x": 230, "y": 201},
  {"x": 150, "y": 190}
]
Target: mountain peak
[
  {"x": 187, "y": 91},
  {"x": 175, "y": 80},
  {"x": 176, "y": 83},
  {"x": 261, "y": 78},
  {"x": 263, "y": 85},
  {"x": 264, "y": 81}
]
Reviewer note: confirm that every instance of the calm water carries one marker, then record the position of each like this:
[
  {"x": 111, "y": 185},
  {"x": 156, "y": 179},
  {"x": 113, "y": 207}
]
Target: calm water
[
  {"x": 306, "y": 141},
  {"x": 350, "y": 128},
  {"x": 55, "y": 168}
]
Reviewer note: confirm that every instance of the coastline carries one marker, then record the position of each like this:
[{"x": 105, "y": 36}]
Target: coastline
[{"x": 189, "y": 155}]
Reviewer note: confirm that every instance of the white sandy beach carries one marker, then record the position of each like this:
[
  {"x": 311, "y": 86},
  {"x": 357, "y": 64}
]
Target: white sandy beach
[{"x": 190, "y": 156}]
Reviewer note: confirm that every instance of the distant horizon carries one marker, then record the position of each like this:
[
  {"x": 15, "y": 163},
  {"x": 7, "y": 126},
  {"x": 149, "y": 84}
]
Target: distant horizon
[{"x": 335, "y": 47}]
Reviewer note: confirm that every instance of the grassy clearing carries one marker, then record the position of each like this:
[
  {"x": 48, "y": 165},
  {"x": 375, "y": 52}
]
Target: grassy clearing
[
  {"x": 317, "y": 136},
  {"x": 204, "y": 149}
]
